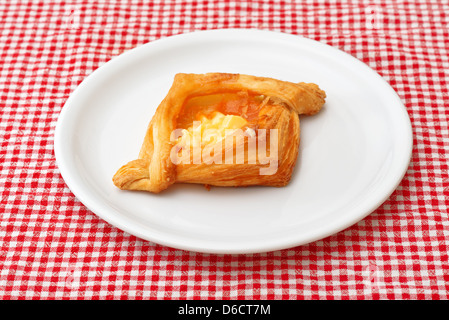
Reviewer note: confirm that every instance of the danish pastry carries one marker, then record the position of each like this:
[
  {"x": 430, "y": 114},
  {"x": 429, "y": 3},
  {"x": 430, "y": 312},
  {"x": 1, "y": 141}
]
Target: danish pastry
[{"x": 221, "y": 129}]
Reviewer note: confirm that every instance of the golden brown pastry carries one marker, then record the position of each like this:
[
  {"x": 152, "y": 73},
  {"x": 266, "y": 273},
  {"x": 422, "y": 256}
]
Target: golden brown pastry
[{"x": 222, "y": 129}]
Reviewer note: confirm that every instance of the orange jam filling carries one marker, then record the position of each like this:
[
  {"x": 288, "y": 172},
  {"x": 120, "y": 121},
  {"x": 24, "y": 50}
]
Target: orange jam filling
[{"x": 240, "y": 104}]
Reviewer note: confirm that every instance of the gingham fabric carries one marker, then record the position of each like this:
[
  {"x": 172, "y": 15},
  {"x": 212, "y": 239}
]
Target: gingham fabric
[{"x": 53, "y": 247}]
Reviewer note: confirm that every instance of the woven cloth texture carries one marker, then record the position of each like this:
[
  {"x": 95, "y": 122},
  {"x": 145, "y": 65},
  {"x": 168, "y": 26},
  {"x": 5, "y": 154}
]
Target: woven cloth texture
[{"x": 53, "y": 247}]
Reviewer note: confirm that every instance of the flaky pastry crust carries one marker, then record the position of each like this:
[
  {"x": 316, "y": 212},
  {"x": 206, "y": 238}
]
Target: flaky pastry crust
[{"x": 154, "y": 171}]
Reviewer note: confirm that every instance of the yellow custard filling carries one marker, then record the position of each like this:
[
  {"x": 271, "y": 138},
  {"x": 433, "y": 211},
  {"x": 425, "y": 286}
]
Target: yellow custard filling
[{"x": 210, "y": 129}]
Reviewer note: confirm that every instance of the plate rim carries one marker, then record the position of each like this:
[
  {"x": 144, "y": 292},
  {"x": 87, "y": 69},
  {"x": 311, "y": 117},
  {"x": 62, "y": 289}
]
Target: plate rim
[{"x": 92, "y": 206}]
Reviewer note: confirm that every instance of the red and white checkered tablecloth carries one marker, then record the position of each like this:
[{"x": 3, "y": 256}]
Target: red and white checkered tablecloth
[{"x": 53, "y": 247}]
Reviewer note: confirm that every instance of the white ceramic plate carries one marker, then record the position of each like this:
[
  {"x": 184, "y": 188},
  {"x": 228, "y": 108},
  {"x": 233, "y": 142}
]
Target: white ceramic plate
[{"x": 353, "y": 153}]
